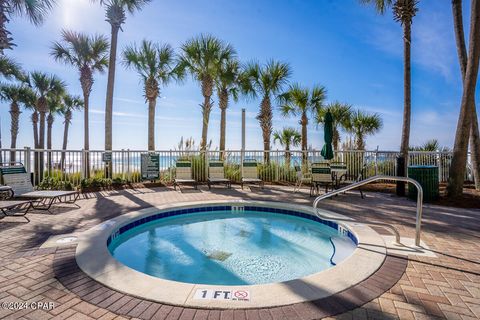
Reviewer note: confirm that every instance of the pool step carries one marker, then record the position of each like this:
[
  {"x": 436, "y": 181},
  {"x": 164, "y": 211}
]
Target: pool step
[{"x": 342, "y": 248}]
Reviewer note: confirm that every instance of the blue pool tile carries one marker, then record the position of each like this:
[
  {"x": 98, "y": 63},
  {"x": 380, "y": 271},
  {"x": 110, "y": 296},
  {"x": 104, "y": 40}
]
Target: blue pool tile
[{"x": 157, "y": 216}]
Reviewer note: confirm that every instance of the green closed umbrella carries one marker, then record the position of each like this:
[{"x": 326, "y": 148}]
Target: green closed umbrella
[{"x": 327, "y": 150}]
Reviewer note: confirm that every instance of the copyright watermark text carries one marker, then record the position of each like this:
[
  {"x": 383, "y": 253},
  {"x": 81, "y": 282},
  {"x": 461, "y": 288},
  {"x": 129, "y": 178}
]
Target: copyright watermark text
[{"x": 22, "y": 305}]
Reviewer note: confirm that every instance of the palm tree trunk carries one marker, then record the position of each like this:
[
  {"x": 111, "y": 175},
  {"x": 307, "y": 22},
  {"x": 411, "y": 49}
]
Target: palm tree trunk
[
  {"x": 335, "y": 138},
  {"x": 265, "y": 119},
  {"x": 151, "y": 124},
  {"x": 207, "y": 88},
  {"x": 35, "y": 129},
  {"x": 223, "y": 104},
  {"x": 110, "y": 87},
  {"x": 407, "y": 81},
  {"x": 49, "y": 141},
  {"x": 407, "y": 92},
  {"x": 287, "y": 156},
  {"x": 360, "y": 143},
  {"x": 223, "y": 120},
  {"x": 457, "y": 167},
  {"x": 475, "y": 147},
  {"x": 462, "y": 56},
  {"x": 86, "y": 80},
  {"x": 36, "y": 161},
  {"x": 15, "y": 114},
  {"x": 86, "y": 143},
  {"x": 41, "y": 142},
  {"x": 304, "y": 122},
  {"x": 5, "y": 39},
  {"x": 65, "y": 140}
]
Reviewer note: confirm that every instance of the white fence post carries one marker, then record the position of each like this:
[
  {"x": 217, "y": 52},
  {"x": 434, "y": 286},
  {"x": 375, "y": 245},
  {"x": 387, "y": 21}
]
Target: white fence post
[
  {"x": 27, "y": 159},
  {"x": 82, "y": 164},
  {"x": 128, "y": 177}
]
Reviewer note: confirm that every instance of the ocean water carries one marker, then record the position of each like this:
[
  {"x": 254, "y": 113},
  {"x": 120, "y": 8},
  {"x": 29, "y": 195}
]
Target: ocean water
[{"x": 227, "y": 248}]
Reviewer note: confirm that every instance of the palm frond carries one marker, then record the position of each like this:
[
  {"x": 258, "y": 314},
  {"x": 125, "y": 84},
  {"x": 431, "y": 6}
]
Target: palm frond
[
  {"x": 34, "y": 10},
  {"x": 9, "y": 68},
  {"x": 381, "y": 6},
  {"x": 287, "y": 137},
  {"x": 81, "y": 50}
]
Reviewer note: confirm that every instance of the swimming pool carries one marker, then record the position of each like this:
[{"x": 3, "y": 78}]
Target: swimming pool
[
  {"x": 223, "y": 246},
  {"x": 186, "y": 253}
]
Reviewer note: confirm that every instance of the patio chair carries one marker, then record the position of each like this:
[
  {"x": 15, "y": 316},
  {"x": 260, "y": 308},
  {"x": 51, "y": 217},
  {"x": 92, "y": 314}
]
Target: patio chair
[
  {"x": 15, "y": 208},
  {"x": 321, "y": 175},
  {"x": 183, "y": 174},
  {"x": 216, "y": 174},
  {"x": 301, "y": 178},
  {"x": 250, "y": 174},
  {"x": 15, "y": 176},
  {"x": 339, "y": 170},
  {"x": 349, "y": 178}
]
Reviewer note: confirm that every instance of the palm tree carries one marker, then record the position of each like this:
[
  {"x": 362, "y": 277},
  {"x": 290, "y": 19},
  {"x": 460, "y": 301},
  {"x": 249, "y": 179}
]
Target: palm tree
[
  {"x": 155, "y": 65},
  {"x": 288, "y": 137},
  {"x": 89, "y": 55},
  {"x": 15, "y": 95},
  {"x": 463, "y": 58},
  {"x": 403, "y": 12},
  {"x": 34, "y": 10},
  {"x": 29, "y": 101},
  {"x": 55, "y": 102},
  {"x": 464, "y": 125},
  {"x": 430, "y": 145},
  {"x": 203, "y": 57},
  {"x": 299, "y": 101},
  {"x": 70, "y": 103},
  {"x": 46, "y": 87},
  {"x": 362, "y": 124},
  {"x": 267, "y": 81},
  {"x": 341, "y": 113},
  {"x": 10, "y": 69},
  {"x": 229, "y": 83},
  {"x": 115, "y": 12}
]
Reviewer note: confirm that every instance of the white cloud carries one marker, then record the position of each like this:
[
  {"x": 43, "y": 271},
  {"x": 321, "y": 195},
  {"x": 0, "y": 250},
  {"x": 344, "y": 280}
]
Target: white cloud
[{"x": 119, "y": 114}]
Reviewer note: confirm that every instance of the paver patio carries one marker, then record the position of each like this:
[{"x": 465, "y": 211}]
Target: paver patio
[{"x": 444, "y": 287}]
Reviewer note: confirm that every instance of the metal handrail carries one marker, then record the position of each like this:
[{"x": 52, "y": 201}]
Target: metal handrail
[{"x": 418, "y": 223}]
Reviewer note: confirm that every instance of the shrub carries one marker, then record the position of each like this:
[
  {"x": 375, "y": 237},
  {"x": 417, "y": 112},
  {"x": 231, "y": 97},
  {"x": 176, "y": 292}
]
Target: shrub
[
  {"x": 232, "y": 171},
  {"x": 51, "y": 183}
]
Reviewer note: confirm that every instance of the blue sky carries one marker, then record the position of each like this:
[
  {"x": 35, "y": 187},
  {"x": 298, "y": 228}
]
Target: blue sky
[{"x": 355, "y": 53}]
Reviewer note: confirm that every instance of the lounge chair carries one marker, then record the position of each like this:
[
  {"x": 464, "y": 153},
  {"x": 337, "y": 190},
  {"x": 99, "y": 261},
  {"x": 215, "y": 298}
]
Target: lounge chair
[
  {"x": 15, "y": 208},
  {"x": 16, "y": 177},
  {"x": 216, "y": 174},
  {"x": 183, "y": 174},
  {"x": 321, "y": 175},
  {"x": 250, "y": 174},
  {"x": 301, "y": 178}
]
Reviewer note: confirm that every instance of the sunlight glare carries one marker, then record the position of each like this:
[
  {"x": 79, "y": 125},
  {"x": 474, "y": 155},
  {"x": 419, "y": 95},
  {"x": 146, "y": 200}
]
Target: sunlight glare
[{"x": 73, "y": 12}]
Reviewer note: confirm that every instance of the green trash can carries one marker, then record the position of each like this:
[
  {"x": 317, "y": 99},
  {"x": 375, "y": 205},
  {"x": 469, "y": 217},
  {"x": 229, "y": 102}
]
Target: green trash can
[{"x": 427, "y": 176}]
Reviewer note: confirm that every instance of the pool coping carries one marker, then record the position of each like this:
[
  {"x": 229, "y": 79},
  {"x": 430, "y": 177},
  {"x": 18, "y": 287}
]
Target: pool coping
[{"x": 94, "y": 259}]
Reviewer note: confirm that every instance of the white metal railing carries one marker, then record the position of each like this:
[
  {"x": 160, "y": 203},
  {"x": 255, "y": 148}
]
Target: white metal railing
[
  {"x": 74, "y": 165},
  {"x": 418, "y": 223}
]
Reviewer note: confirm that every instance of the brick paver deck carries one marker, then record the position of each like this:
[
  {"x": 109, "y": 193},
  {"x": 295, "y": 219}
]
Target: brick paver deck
[{"x": 444, "y": 287}]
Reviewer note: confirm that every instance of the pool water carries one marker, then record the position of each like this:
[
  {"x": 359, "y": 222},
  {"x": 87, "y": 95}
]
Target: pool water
[{"x": 229, "y": 248}]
